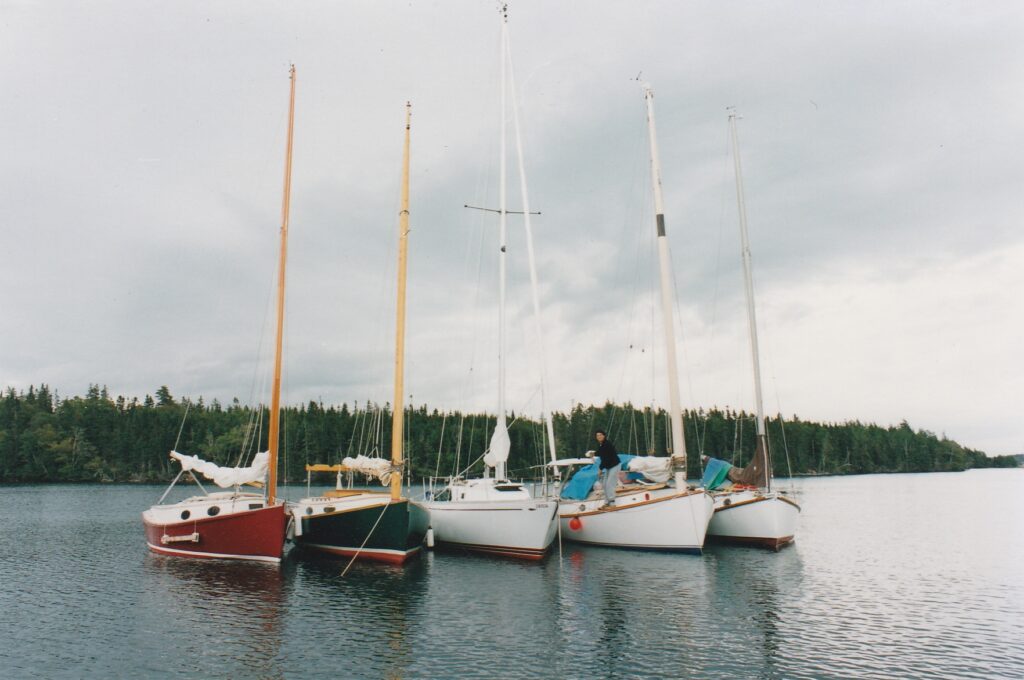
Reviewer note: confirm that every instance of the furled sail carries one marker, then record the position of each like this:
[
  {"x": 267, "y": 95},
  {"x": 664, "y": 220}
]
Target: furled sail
[
  {"x": 226, "y": 477},
  {"x": 500, "y": 446},
  {"x": 371, "y": 467},
  {"x": 653, "y": 468},
  {"x": 758, "y": 471}
]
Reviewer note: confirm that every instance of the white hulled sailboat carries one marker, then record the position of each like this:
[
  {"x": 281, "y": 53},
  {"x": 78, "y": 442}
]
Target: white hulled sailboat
[
  {"x": 659, "y": 517},
  {"x": 756, "y": 514},
  {"x": 492, "y": 514}
]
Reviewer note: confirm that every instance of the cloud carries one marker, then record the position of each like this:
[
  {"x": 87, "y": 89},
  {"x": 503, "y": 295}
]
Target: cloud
[{"x": 143, "y": 156}]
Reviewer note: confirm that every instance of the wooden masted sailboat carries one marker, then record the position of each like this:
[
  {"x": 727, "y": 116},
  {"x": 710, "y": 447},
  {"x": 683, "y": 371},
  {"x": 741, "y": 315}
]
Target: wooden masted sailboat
[
  {"x": 754, "y": 514},
  {"x": 234, "y": 524},
  {"x": 493, "y": 514},
  {"x": 661, "y": 517},
  {"x": 377, "y": 526}
]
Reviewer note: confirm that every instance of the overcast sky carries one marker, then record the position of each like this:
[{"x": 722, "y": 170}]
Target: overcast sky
[{"x": 142, "y": 152}]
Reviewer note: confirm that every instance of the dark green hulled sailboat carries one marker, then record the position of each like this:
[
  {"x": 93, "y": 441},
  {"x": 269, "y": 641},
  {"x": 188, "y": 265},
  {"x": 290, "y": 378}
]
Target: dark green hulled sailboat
[{"x": 378, "y": 526}]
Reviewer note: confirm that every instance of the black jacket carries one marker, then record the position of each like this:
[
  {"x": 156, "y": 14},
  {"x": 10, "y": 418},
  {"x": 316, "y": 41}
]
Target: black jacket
[{"x": 606, "y": 452}]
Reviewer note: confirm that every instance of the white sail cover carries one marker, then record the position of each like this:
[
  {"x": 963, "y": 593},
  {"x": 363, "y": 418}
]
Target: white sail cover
[
  {"x": 654, "y": 468},
  {"x": 226, "y": 477},
  {"x": 500, "y": 446},
  {"x": 372, "y": 467}
]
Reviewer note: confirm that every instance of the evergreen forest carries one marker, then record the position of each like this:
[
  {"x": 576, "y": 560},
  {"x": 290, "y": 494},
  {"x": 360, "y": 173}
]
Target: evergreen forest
[{"x": 98, "y": 438}]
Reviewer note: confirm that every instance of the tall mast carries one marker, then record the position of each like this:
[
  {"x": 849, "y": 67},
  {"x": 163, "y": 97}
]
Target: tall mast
[
  {"x": 275, "y": 395},
  {"x": 500, "y": 437},
  {"x": 675, "y": 410},
  {"x": 545, "y": 416},
  {"x": 403, "y": 244},
  {"x": 748, "y": 279}
]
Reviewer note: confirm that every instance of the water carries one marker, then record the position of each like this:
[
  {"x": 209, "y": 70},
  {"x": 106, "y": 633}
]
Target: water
[{"x": 909, "y": 576}]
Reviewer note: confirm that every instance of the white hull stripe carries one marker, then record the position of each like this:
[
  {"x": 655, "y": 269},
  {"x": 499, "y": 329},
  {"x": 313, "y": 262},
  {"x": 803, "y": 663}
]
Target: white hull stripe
[
  {"x": 222, "y": 556},
  {"x": 640, "y": 546}
]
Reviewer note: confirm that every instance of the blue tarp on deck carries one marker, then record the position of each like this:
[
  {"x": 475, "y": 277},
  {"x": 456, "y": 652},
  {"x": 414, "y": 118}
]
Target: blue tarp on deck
[
  {"x": 579, "y": 485},
  {"x": 715, "y": 472}
]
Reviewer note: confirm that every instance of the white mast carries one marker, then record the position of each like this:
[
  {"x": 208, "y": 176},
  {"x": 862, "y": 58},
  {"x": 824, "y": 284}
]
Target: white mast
[
  {"x": 499, "y": 447},
  {"x": 749, "y": 284},
  {"x": 545, "y": 416},
  {"x": 675, "y": 411}
]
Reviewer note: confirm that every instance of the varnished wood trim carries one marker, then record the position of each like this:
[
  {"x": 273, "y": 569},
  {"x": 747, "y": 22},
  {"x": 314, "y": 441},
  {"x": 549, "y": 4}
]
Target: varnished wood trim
[
  {"x": 753, "y": 541},
  {"x": 631, "y": 506},
  {"x": 503, "y": 550}
]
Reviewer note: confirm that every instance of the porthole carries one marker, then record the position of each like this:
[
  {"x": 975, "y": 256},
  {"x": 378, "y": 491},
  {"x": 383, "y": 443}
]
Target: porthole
[
  {"x": 727, "y": 502},
  {"x": 185, "y": 514},
  {"x": 309, "y": 510},
  {"x": 329, "y": 508},
  {"x": 213, "y": 510}
]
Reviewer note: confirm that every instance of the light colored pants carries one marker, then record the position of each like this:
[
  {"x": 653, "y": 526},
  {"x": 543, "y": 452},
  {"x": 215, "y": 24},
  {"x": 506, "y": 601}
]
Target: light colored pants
[{"x": 611, "y": 480}]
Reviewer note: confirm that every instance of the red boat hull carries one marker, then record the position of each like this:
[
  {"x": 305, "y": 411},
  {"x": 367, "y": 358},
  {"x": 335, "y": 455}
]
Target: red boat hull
[{"x": 247, "y": 535}]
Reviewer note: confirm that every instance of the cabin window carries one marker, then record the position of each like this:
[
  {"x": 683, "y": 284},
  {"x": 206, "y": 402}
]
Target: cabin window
[
  {"x": 213, "y": 510},
  {"x": 185, "y": 514},
  {"x": 329, "y": 508},
  {"x": 255, "y": 506}
]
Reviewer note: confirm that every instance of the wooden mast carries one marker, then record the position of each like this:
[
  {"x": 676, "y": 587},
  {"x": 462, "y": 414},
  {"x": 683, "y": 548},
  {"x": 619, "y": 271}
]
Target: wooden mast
[
  {"x": 275, "y": 395},
  {"x": 403, "y": 245}
]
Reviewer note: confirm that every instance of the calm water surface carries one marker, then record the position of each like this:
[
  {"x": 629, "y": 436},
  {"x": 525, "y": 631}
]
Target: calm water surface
[{"x": 897, "y": 576}]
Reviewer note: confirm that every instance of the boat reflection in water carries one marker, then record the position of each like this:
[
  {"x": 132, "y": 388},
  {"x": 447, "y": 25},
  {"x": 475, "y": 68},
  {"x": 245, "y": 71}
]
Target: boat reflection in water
[{"x": 237, "y": 605}]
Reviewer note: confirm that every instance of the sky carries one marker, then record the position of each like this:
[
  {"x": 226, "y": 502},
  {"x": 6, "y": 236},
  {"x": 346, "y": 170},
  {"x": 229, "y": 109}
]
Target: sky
[{"x": 143, "y": 153}]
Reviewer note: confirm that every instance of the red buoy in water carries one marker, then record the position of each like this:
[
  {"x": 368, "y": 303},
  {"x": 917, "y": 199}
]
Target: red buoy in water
[{"x": 575, "y": 524}]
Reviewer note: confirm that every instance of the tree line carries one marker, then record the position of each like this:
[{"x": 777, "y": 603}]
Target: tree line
[{"x": 98, "y": 438}]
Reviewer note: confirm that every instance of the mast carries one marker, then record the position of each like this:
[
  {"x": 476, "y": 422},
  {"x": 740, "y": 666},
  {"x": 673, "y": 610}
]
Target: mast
[
  {"x": 403, "y": 243},
  {"x": 675, "y": 411},
  {"x": 545, "y": 416},
  {"x": 275, "y": 395},
  {"x": 499, "y": 440},
  {"x": 748, "y": 279}
]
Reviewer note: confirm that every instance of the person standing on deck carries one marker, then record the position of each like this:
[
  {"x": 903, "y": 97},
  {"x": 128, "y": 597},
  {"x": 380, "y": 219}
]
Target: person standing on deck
[{"x": 610, "y": 465}]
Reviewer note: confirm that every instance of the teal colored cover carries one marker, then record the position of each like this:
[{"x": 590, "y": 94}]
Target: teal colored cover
[
  {"x": 715, "y": 473},
  {"x": 578, "y": 488}
]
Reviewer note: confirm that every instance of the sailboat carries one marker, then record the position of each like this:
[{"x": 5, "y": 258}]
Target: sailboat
[
  {"x": 377, "y": 526},
  {"x": 755, "y": 514},
  {"x": 662, "y": 516},
  {"x": 493, "y": 514},
  {"x": 234, "y": 524}
]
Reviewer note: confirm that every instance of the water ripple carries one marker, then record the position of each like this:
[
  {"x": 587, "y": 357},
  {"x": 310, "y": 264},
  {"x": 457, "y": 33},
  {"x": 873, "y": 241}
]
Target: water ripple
[{"x": 891, "y": 576}]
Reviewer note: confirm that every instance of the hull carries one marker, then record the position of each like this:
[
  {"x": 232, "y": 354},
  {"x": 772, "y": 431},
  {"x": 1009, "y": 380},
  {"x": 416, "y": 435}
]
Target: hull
[
  {"x": 662, "y": 519},
  {"x": 369, "y": 525},
  {"x": 752, "y": 518},
  {"x": 218, "y": 526},
  {"x": 522, "y": 529}
]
